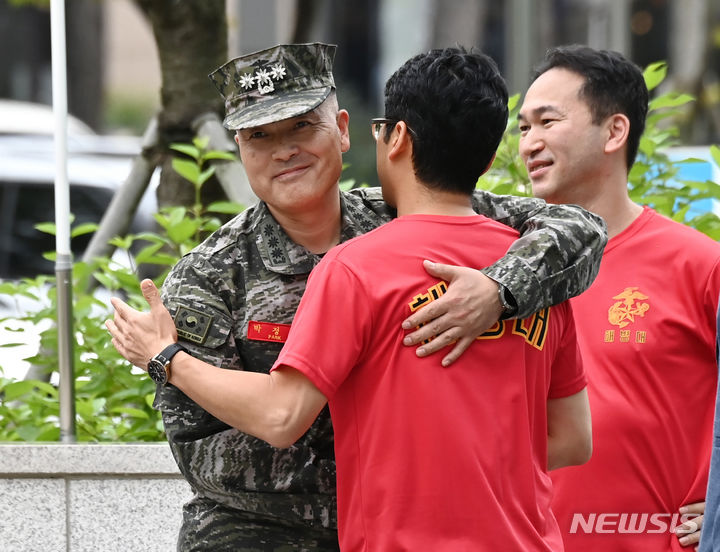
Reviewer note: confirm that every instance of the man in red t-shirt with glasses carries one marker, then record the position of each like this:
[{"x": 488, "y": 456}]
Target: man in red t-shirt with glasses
[{"x": 428, "y": 458}]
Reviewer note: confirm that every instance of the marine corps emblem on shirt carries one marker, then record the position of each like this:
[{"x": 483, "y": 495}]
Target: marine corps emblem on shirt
[{"x": 629, "y": 305}]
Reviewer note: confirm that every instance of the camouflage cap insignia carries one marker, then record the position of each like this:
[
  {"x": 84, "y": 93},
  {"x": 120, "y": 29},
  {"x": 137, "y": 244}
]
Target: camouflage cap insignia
[
  {"x": 192, "y": 325},
  {"x": 275, "y": 84}
]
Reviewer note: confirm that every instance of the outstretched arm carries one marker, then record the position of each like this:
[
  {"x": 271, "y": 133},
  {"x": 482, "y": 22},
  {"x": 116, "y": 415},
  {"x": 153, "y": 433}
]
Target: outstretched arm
[
  {"x": 556, "y": 257},
  {"x": 277, "y": 407}
]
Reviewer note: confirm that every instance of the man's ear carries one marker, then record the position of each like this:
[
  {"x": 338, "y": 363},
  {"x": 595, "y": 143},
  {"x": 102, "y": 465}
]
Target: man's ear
[
  {"x": 400, "y": 140},
  {"x": 618, "y": 128},
  {"x": 343, "y": 123}
]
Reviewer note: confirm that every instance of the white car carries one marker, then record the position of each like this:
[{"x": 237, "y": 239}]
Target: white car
[{"x": 97, "y": 167}]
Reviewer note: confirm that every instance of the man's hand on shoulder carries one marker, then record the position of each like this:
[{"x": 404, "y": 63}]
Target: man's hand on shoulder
[{"x": 470, "y": 306}]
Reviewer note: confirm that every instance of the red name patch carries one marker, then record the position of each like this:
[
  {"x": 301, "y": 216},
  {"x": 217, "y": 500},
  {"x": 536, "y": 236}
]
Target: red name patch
[{"x": 268, "y": 331}]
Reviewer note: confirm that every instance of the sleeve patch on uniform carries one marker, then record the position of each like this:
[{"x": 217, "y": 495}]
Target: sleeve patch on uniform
[{"x": 192, "y": 325}]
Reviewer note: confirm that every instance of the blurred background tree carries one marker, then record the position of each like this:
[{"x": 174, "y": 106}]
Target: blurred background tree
[
  {"x": 130, "y": 61},
  {"x": 176, "y": 43}
]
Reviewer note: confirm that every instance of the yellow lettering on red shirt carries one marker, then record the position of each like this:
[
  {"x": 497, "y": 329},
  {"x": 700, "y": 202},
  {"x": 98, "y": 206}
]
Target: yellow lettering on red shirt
[{"x": 533, "y": 329}]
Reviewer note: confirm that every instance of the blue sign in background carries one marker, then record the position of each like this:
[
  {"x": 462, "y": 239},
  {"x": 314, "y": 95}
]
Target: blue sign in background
[{"x": 698, "y": 172}]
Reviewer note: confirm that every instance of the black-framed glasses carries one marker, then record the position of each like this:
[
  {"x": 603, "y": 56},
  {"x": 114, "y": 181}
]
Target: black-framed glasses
[{"x": 377, "y": 124}]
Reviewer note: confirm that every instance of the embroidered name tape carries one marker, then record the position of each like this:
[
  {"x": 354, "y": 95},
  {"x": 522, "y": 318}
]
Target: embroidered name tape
[{"x": 268, "y": 331}]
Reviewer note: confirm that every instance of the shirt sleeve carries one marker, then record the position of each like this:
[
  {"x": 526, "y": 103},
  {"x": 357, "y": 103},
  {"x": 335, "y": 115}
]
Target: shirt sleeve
[
  {"x": 567, "y": 375},
  {"x": 557, "y": 255},
  {"x": 331, "y": 329}
]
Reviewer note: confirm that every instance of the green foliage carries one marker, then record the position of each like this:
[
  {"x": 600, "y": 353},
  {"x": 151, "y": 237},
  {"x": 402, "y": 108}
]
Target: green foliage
[
  {"x": 113, "y": 402},
  {"x": 654, "y": 178},
  {"x": 507, "y": 174}
]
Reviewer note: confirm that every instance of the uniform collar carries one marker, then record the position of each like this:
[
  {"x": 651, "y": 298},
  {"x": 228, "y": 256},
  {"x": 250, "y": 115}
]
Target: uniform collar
[{"x": 282, "y": 255}]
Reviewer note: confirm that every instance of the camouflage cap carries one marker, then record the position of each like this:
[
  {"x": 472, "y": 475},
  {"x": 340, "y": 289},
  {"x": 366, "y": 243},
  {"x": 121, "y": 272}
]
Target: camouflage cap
[{"x": 275, "y": 84}]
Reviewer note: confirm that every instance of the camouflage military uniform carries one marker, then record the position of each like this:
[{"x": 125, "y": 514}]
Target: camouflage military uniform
[{"x": 249, "y": 495}]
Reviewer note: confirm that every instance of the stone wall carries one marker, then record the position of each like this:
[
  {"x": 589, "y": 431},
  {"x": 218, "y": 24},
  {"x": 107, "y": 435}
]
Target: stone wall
[{"x": 89, "y": 497}]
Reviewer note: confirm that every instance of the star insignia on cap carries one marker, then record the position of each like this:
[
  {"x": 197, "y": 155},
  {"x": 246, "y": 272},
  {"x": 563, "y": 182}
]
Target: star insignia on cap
[
  {"x": 247, "y": 81},
  {"x": 278, "y": 71},
  {"x": 262, "y": 76}
]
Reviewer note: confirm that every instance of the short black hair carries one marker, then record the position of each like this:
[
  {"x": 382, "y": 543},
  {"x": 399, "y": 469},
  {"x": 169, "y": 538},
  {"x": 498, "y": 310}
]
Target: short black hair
[
  {"x": 455, "y": 103},
  {"x": 613, "y": 84}
]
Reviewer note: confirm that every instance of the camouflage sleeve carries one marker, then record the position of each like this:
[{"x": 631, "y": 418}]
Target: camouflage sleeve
[
  {"x": 557, "y": 255},
  {"x": 201, "y": 315},
  {"x": 197, "y": 303}
]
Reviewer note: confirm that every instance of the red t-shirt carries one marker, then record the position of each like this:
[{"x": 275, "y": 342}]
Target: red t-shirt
[
  {"x": 646, "y": 329},
  {"x": 432, "y": 458}
]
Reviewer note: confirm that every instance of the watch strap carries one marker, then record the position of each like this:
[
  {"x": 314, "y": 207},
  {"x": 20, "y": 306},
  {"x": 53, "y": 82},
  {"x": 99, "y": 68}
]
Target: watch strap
[
  {"x": 170, "y": 351},
  {"x": 161, "y": 361}
]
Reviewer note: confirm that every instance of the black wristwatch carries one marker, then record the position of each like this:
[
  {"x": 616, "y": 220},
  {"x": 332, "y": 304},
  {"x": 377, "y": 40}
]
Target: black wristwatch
[
  {"x": 159, "y": 365},
  {"x": 507, "y": 301}
]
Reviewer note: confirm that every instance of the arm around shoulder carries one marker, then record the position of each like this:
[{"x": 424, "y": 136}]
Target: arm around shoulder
[{"x": 556, "y": 257}]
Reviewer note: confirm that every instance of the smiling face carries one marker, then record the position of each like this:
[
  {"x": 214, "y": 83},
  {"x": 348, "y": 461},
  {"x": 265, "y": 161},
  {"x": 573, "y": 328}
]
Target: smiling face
[
  {"x": 294, "y": 165},
  {"x": 562, "y": 149}
]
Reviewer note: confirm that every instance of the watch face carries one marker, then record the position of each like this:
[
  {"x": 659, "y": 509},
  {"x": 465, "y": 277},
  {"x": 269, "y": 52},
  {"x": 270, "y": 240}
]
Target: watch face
[{"x": 157, "y": 371}]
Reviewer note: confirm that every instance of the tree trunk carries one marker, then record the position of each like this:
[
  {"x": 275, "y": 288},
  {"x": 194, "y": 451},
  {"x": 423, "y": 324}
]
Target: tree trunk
[{"x": 191, "y": 37}]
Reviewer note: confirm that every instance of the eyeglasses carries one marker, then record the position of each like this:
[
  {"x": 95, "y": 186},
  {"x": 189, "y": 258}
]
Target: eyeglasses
[{"x": 377, "y": 123}]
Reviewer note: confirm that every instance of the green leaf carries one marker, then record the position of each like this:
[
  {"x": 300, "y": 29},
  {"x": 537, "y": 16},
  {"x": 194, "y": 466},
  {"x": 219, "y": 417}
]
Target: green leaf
[
  {"x": 176, "y": 215},
  {"x": 226, "y": 155},
  {"x": 46, "y": 227},
  {"x": 654, "y": 74},
  {"x": 201, "y": 142},
  {"x": 104, "y": 279},
  {"x": 82, "y": 229},
  {"x": 715, "y": 153},
  {"x": 187, "y": 149},
  {"x": 46, "y": 388},
  {"x": 89, "y": 408},
  {"x": 679, "y": 216},
  {"x": 146, "y": 254},
  {"x": 225, "y": 207},
  {"x": 187, "y": 169},
  {"x": 132, "y": 412},
  {"x": 15, "y": 390},
  {"x": 123, "y": 243},
  {"x": 45, "y": 432},
  {"x": 205, "y": 175},
  {"x": 671, "y": 100},
  {"x": 182, "y": 230}
]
